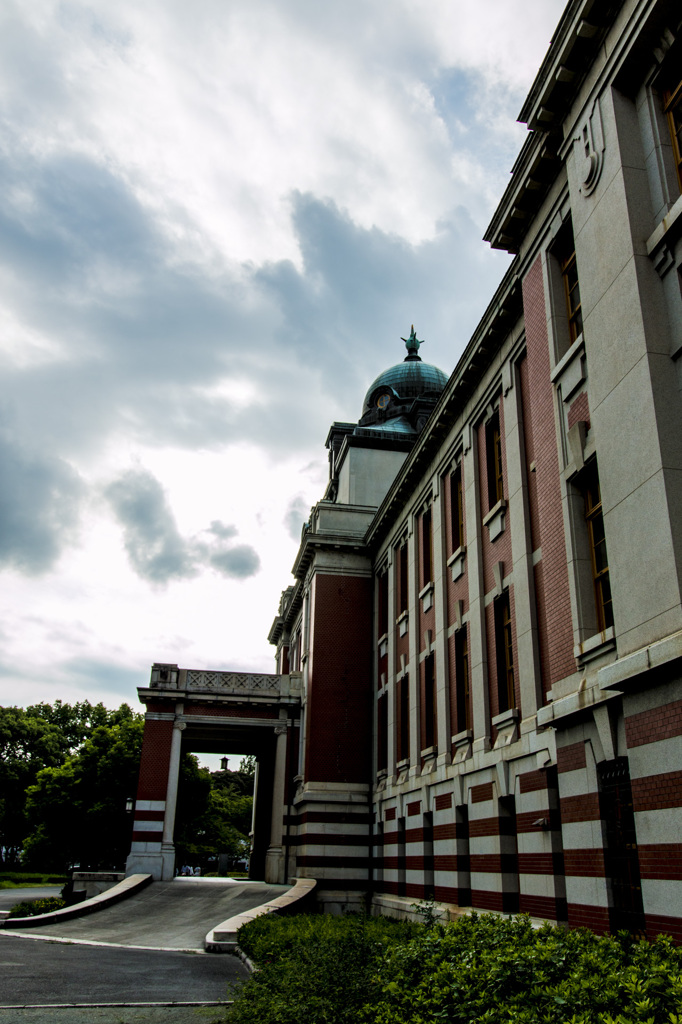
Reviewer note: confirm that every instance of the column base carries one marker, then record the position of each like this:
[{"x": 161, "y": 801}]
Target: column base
[
  {"x": 160, "y": 864},
  {"x": 274, "y": 866}
]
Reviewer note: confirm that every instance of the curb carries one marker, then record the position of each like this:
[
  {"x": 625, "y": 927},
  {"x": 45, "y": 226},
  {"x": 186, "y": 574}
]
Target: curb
[
  {"x": 126, "y": 888},
  {"x": 223, "y": 938}
]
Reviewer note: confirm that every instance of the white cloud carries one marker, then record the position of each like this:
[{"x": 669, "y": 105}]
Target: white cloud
[{"x": 218, "y": 221}]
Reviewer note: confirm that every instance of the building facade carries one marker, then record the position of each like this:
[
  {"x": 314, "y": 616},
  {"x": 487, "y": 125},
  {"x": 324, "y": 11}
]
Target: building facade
[
  {"x": 485, "y": 629},
  {"x": 487, "y": 614}
]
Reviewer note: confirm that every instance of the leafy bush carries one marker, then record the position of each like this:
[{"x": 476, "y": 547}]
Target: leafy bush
[
  {"x": 480, "y": 970},
  {"x": 313, "y": 967},
  {"x": 30, "y": 908}
]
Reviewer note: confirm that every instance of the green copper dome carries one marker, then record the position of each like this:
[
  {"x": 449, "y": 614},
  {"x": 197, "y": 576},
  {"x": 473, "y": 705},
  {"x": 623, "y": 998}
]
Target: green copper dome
[{"x": 410, "y": 379}]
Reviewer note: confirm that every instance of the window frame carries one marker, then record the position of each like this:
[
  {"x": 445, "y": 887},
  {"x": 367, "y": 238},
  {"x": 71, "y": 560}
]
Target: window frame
[
  {"x": 672, "y": 108},
  {"x": 594, "y": 517}
]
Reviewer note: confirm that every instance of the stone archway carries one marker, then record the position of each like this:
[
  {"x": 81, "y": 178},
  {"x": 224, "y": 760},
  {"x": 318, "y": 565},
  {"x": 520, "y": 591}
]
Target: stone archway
[{"x": 195, "y": 709}]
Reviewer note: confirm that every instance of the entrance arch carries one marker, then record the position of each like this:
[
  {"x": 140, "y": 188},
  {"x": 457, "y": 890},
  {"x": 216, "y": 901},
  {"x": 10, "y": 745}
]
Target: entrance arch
[{"x": 200, "y": 710}]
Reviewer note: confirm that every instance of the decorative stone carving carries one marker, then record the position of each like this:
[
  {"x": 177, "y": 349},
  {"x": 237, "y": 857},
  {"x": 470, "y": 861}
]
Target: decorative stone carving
[
  {"x": 231, "y": 682},
  {"x": 591, "y": 142}
]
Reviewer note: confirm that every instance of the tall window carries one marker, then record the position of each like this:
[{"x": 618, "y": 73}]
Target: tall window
[
  {"x": 493, "y": 451},
  {"x": 382, "y": 611},
  {"x": 456, "y": 509},
  {"x": 672, "y": 99},
  {"x": 569, "y": 272},
  {"x": 429, "y": 733},
  {"x": 402, "y": 578},
  {"x": 462, "y": 680},
  {"x": 566, "y": 302},
  {"x": 505, "y": 653},
  {"x": 403, "y": 717},
  {"x": 600, "y": 560},
  {"x": 427, "y": 548},
  {"x": 382, "y": 732}
]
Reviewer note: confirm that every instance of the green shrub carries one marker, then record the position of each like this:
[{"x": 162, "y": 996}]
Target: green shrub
[
  {"x": 482, "y": 969},
  {"x": 30, "y": 908}
]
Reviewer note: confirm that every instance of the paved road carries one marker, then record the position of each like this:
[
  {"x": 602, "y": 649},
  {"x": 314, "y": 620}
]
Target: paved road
[
  {"x": 166, "y": 915},
  {"x": 39, "y": 972},
  {"x": 97, "y": 960}
]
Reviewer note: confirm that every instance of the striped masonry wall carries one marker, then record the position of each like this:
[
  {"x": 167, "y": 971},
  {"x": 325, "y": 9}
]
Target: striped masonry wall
[
  {"x": 332, "y": 843},
  {"x": 653, "y": 734},
  {"x": 586, "y": 890},
  {"x": 542, "y": 883}
]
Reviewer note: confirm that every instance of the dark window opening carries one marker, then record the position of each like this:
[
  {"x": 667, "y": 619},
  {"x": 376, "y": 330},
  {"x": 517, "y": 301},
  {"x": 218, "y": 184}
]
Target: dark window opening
[
  {"x": 462, "y": 684},
  {"x": 504, "y": 650},
  {"x": 402, "y": 578},
  {"x": 493, "y": 452},
  {"x": 456, "y": 509},
  {"x": 382, "y": 618},
  {"x": 404, "y": 719},
  {"x": 427, "y": 548},
  {"x": 429, "y": 730},
  {"x": 382, "y": 733}
]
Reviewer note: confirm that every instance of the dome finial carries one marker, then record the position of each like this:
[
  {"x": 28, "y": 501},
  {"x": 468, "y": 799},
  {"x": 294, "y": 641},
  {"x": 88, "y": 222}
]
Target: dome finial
[{"x": 412, "y": 344}]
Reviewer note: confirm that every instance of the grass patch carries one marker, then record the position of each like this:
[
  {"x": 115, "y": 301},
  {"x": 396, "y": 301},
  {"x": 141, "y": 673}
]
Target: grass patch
[
  {"x": 23, "y": 879},
  {"x": 481, "y": 969}
]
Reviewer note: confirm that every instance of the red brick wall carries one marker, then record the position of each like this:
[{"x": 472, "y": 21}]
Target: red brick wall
[
  {"x": 551, "y": 574},
  {"x": 481, "y": 793},
  {"x": 156, "y": 744},
  {"x": 657, "y": 792},
  {"x": 339, "y": 738},
  {"x": 660, "y": 723},
  {"x": 571, "y": 758}
]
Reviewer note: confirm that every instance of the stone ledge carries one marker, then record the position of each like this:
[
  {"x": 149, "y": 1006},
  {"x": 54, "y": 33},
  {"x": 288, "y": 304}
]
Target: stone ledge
[
  {"x": 223, "y": 938},
  {"x": 626, "y": 670},
  {"x": 126, "y": 888}
]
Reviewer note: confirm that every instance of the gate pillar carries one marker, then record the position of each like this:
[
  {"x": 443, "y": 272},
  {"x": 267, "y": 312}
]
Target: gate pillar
[
  {"x": 152, "y": 850},
  {"x": 275, "y": 858}
]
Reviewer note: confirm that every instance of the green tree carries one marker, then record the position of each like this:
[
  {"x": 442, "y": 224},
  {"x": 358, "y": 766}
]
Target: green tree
[
  {"x": 76, "y": 811},
  {"x": 28, "y": 743}
]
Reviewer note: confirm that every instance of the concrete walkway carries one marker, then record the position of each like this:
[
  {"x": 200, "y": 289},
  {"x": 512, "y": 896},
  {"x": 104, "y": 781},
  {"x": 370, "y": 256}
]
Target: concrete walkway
[{"x": 165, "y": 915}]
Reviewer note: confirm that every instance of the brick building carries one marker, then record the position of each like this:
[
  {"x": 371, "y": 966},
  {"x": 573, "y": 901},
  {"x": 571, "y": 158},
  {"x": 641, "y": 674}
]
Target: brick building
[
  {"x": 485, "y": 628},
  {"x": 495, "y": 593}
]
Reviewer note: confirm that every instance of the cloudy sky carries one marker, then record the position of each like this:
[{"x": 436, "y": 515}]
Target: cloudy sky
[{"x": 217, "y": 220}]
